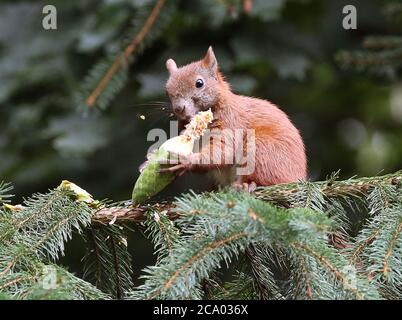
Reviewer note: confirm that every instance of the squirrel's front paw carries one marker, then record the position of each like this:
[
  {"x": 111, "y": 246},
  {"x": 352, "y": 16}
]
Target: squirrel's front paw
[{"x": 177, "y": 164}]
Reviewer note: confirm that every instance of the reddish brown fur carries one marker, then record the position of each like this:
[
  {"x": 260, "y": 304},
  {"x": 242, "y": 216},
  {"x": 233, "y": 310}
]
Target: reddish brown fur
[{"x": 280, "y": 154}]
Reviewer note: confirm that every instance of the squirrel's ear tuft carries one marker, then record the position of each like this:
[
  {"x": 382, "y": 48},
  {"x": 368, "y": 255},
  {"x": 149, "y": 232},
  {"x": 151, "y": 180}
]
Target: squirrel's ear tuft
[
  {"x": 171, "y": 66},
  {"x": 209, "y": 61}
]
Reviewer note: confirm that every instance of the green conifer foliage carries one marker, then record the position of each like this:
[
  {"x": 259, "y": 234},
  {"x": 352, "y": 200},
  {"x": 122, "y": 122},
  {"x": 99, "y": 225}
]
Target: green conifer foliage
[{"x": 294, "y": 241}]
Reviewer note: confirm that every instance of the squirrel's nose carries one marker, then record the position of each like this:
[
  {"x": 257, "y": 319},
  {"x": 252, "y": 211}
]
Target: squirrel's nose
[{"x": 179, "y": 109}]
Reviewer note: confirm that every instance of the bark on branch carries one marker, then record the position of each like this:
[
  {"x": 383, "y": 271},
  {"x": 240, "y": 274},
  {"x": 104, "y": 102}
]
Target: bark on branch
[
  {"x": 133, "y": 213},
  {"x": 279, "y": 194}
]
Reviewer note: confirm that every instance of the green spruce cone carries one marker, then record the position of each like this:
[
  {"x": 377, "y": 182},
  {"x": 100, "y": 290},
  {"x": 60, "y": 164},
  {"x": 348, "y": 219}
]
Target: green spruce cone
[{"x": 151, "y": 181}]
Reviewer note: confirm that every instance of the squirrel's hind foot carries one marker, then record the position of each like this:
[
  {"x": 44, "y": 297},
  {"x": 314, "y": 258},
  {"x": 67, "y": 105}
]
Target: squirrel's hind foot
[{"x": 244, "y": 186}]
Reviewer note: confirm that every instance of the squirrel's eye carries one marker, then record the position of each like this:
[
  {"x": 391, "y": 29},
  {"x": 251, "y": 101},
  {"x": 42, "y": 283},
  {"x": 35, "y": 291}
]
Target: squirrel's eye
[{"x": 199, "y": 83}]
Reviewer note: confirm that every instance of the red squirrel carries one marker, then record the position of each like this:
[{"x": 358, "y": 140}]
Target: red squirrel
[{"x": 279, "y": 150}]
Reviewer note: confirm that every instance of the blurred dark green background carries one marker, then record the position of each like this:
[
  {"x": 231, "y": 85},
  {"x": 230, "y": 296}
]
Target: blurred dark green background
[{"x": 283, "y": 51}]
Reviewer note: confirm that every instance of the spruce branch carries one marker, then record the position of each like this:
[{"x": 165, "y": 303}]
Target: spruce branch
[
  {"x": 242, "y": 287},
  {"x": 377, "y": 246},
  {"x": 54, "y": 282},
  {"x": 391, "y": 247},
  {"x": 162, "y": 231},
  {"x": 80, "y": 289},
  {"x": 42, "y": 227},
  {"x": 363, "y": 59},
  {"x": 130, "y": 213},
  {"x": 35, "y": 236},
  {"x": 109, "y": 76},
  {"x": 184, "y": 272},
  {"x": 355, "y": 188},
  {"x": 208, "y": 239},
  {"x": 107, "y": 261},
  {"x": 381, "y": 52},
  {"x": 5, "y": 188},
  {"x": 382, "y": 42},
  {"x": 37, "y": 280},
  {"x": 263, "y": 278},
  {"x": 362, "y": 244},
  {"x": 300, "y": 285},
  {"x": 285, "y": 195},
  {"x": 214, "y": 228},
  {"x": 382, "y": 197},
  {"x": 331, "y": 263}
]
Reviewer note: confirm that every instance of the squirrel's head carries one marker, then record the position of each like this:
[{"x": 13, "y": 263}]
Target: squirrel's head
[{"x": 195, "y": 87}]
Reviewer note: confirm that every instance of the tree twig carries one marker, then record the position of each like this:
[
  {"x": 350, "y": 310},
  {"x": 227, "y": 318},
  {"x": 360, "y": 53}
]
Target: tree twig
[{"x": 125, "y": 55}]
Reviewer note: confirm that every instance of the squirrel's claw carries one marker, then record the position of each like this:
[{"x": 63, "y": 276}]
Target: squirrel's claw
[
  {"x": 248, "y": 187},
  {"x": 178, "y": 166},
  {"x": 178, "y": 169}
]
